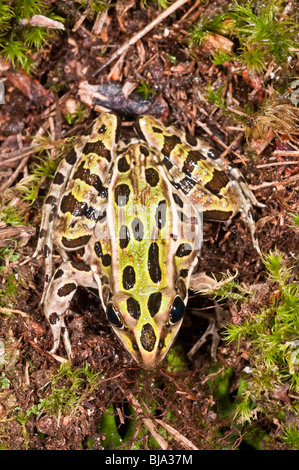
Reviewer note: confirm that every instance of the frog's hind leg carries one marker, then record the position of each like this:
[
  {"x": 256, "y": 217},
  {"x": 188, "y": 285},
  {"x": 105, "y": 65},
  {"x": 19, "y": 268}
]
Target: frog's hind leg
[
  {"x": 243, "y": 200},
  {"x": 60, "y": 292},
  {"x": 45, "y": 243},
  {"x": 81, "y": 174},
  {"x": 195, "y": 169}
]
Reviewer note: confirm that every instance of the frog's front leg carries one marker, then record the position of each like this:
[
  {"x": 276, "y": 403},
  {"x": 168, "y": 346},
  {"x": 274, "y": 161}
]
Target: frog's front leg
[
  {"x": 62, "y": 288},
  {"x": 203, "y": 283}
]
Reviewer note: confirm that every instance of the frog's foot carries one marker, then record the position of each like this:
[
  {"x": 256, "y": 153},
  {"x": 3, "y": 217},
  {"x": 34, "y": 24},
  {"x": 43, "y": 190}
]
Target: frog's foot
[
  {"x": 215, "y": 323},
  {"x": 58, "y": 330},
  {"x": 202, "y": 283},
  {"x": 241, "y": 192}
]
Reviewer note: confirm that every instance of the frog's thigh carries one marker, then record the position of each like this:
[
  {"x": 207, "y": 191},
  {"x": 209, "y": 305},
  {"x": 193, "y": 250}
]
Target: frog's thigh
[{"x": 62, "y": 288}]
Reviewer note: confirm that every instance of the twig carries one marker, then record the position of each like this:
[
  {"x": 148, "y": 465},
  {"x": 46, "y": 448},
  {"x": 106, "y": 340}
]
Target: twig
[
  {"x": 190, "y": 11},
  {"x": 210, "y": 133},
  {"x": 188, "y": 445},
  {"x": 142, "y": 33},
  {"x": 287, "y": 153},
  {"x": 18, "y": 155},
  {"x": 265, "y": 165},
  {"x": 274, "y": 183},
  {"x": 15, "y": 174},
  {"x": 147, "y": 421},
  {"x": 8, "y": 311},
  {"x": 228, "y": 149}
]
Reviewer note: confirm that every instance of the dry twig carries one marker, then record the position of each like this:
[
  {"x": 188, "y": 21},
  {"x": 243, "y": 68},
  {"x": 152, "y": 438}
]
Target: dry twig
[{"x": 142, "y": 33}]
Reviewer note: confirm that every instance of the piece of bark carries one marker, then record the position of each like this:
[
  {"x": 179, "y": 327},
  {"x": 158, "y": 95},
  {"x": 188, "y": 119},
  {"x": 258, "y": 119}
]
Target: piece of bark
[
  {"x": 9, "y": 233},
  {"x": 30, "y": 87},
  {"x": 110, "y": 96}
]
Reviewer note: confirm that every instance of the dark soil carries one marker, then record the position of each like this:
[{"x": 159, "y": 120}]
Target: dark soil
[{"x": 179, "y": 79}]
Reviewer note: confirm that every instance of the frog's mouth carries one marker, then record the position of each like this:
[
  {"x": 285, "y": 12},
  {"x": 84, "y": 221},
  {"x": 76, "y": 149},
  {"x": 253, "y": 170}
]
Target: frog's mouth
[{"x": 148, "y": 349}]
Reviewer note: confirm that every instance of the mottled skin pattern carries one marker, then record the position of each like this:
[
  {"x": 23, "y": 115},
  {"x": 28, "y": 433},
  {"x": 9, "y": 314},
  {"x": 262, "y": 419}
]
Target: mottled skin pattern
[{"x": 135, "y": 207}]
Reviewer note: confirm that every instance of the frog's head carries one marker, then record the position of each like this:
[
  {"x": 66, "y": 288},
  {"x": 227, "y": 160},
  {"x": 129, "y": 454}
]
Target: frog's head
[{"x": 147, "y": 324}]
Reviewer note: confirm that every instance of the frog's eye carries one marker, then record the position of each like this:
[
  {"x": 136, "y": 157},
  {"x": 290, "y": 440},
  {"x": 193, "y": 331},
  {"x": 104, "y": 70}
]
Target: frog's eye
[
  {"x": 177, "y": 310},
  {"x": 114, "y": 317}
]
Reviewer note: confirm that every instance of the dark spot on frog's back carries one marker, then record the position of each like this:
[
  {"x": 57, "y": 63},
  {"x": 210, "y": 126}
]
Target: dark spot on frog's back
[
  {"x": 190, "y": 139},
  {"x": 148, "y": 337},
  {"x": 194, "y": 156},
  {"x": 144, "y": 150},
  {"x": 58, "y": 274},
  {"x": 217, "y": 215},
  {"x": 85, "y": 175},
  {"x": 184, "y": 273},
  {"x": 160, "y": 215},
  {"x": 154, "y": 303},
  {"x": 70, "y": 204},
  {"x": 42, "y": 233},
  {"x": 102, "y": 129},
  {"x": 178, "y": 200},
  {"x": 152, "y": 177},
  {"x": 123, "y": 165},
  {"x": 71, "y": 157},
  {"x": 121, "y": 194},
  {"x": 47, "y": 251},
  {"x": 129, "y": 278},
  {"x": 137, "y": 229},
  {"x": 218, "y": 182},
  {"x": 51, "y": 200},
  {"x": 183, "y": 250},
  {"x": 133, "y": 307},
  {"x": 58, "y": 178},
  {"x": 124, "y": 236},
  {"x": 53, "y": 318},
  {"x": 153, "y": 263},
  {"x": 98, "y": 148},
  {"x": 53, "y": 214},
  {"x": 157, "y": 130},
  {"x": 80, "y": 265},
  {"x": 75, "y": 242},
  {"x": 170, "y": 141},
  {"x": 67, "y": 289}
]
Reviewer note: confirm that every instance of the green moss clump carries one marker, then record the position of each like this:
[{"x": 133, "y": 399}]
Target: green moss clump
[{"x": 19, "y": 41}]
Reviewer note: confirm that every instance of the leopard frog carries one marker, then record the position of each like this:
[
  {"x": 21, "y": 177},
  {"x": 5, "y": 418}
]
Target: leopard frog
[{"x": 134, "y": 207}]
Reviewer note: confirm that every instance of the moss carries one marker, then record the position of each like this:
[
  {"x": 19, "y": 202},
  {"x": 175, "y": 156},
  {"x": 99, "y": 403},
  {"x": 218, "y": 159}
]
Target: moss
[
  {"x": 262, "y": 33},
  {"x": 19, "y": 41},
  {"x": 271, "y": 328}
]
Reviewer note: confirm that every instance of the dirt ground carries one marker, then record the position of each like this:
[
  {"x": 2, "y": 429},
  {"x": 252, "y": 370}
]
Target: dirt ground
[{"x": 175, "y": 407}]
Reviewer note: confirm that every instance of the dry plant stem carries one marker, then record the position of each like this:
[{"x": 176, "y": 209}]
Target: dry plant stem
[
  {"x": 15, "y": 174},
  {"x": 147, "y": 421},
  {"x": 188, "y": 445},
  {"x": 266, "y": 165},
  {"x": 142, "y": 33},
  {"x": 287, "y": 153},
  {"x": 274, "y": 183},
  {"x": 9, "y": 311},
  {"x": 190, "y": 11},
  {"x": 19, "y": 155}
]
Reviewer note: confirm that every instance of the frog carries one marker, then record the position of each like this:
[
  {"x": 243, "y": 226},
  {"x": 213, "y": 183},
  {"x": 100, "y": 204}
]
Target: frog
[{"x": 125, "y": 216}]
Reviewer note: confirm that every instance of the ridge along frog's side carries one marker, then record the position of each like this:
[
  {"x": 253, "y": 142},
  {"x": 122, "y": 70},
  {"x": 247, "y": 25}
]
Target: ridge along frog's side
[{"x": 135, "y": 207}]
